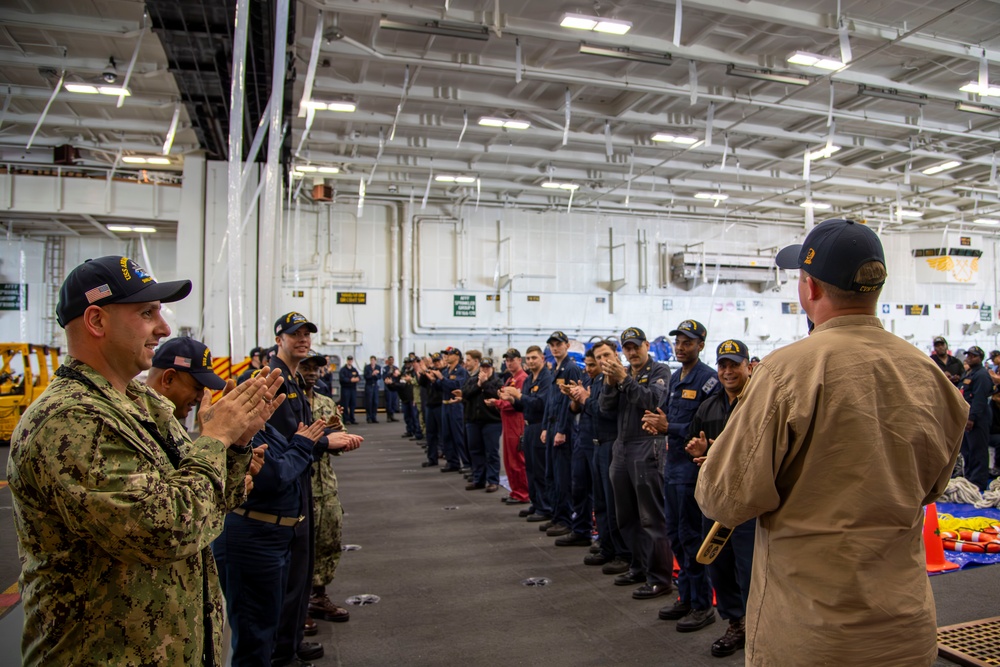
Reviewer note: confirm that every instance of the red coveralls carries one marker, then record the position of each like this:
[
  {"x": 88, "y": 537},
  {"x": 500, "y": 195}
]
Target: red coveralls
[{"x": 513, "y": 427}]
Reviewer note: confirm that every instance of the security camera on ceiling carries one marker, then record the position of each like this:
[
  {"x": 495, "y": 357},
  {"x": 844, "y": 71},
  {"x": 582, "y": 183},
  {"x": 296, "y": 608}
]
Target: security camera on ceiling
[{"x": 110, "y": 73}]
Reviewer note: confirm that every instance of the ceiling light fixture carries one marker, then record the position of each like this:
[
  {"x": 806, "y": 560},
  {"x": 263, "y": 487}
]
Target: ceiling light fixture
[
  {"x": 342, "y": 106},
  {"x": 892, "y": 94},
  {"x": 822, "y": 153},
  {"x": 816, "y": 205},
  {"x": 973, "y": 87},
  {"x": 595, "y": 23},
  {"x": 937, "y": 169},
  {"x": 130, "y": 228},
  {"x": 507, "y": 123},
  {"x": 625, "y": 53},
  {"x": 87, "y": 89},
  {"x": 909, "y": 213},
  {"x": 814, "y": 60},
  {"x": 557, "y": 185},
  {"x": 141, "y": 159},
  {"x": 991, "y": 222},
  {"x": 440, "y": 28},
  {"x": 445, "y": 178},
  {"x": 663, "y": 137},
  {"x": 716, "y": 196},
  {"x": 315, "y": 169},
  {"x": 980, "y": 109},
  {"x": 768, "y": 75}
]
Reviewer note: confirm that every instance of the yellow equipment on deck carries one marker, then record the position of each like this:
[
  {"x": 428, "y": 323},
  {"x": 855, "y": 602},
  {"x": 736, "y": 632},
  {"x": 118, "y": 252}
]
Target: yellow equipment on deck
[{"x": 26, "y": 372}]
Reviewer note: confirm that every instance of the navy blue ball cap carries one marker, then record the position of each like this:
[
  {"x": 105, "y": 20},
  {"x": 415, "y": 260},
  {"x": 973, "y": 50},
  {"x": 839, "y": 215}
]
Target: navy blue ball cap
[
  {"x": 977, "y": 351},
  {"x": 691, "y": 329},
  {"x": 289, "y": 323},
  {"x": 314, "y": 358},
  {"x": 188, "y": 355},
  {"x": 112, "y": 279},
  {"x": 557, "y": 336},
  {"x": 633, "y": 335},
  {"x": 734, "y": 350},
  {"x": 833, "y": 252}
]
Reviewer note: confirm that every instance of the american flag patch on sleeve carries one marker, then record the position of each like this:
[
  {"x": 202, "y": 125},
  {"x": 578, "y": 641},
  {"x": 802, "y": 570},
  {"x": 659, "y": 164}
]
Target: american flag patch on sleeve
[
  {"x": 98, "y": 293},
  {"x": 182, "y": 361}
]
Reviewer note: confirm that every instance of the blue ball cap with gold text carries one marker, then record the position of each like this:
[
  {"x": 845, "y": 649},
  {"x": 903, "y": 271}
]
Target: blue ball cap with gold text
[
  {"x": 189, "y": 356},
  {"x": 833, "y": 252},
  {"x": 112, "y": 279}
]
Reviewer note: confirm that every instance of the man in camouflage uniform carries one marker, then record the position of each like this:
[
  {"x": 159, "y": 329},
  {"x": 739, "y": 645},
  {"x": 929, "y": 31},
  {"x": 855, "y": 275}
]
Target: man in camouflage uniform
[
  {"x": 328, "y": 513},
  {"x": 113, "y": 510}
]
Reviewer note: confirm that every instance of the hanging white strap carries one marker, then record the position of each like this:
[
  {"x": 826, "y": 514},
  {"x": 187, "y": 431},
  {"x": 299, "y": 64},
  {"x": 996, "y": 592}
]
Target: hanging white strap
[
  {"x": 631, "y": 168},
  {"x": 361, "y": 197},
  {"x": 518, "y": 68},
  {"x": 465, "y": 125},
  {"x": 693, "y": 80},
  {"x": 829, "y": 115},
  {"x": 399, "y": 107},
  {"x": 378, "y": 155},
  {"x": 168, "y": 141},
  {"x": 709, "y": 122},
  {"x": 829, "y": 138},
  {"x": 845, "y": 42},
  {"x": 984, "y": 74},
  {"x": 311, "y": 69},
  {"x": 899, "y": 206},
  {"x": 993, "y": 170},
  {"x": 609, "y": 149},
  {"x": 805, "y": 166},
  {"x": 568, "y": 113},
  {"x": 725, "y": 153},
  {"x": 45, "y": 111},
  {"x": 569, "y": 205},
  {"x": 310, "y": 117},
  {"x": 906, "y": 172},
  {"x": 678, "y": 14},
  {"x": 479, "y": 191},
  {"x": 131, "y": 66},
  {"x": 427, "y": 190}
]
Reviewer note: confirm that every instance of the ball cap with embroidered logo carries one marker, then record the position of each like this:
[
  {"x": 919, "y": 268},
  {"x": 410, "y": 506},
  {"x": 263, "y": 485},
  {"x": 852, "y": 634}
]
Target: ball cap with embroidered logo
[
  {"x": 486, "y": 361},
  {"x": 112, "y": 279},
  {"x": 289, "y": 323},
  {"x": 512, "y": 353},
  {"x": 314, "y": 358},
  {"x": 557, "y": 336},
  {"x": 833, "y": 252},
  {"x": 734, "y": 350},
  {"x": 940, "y": 339},
  {"x": 976, "y": 351},
  {"x": 189, "y": 356},
  {"x": 452, "y": 350},
  {"x": 633, "y": 335},
  {"x": 691, "y": 329}
]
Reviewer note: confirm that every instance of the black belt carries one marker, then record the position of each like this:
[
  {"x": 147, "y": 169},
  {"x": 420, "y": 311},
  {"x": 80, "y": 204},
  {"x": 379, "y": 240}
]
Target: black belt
[{"x": 286, "y": 521}]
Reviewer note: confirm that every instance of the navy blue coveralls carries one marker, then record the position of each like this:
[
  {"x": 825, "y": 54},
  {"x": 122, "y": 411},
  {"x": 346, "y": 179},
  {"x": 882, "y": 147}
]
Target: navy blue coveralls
[
  {"x": 637, "y": 470},
  {"x": 255, "y": 557},
  {"x": 559, "y": 419},
  {"x": 684, "y": 517},
  {"x": 348, "y": 392},
  {"x": 977, "y": 388},
  {"x": 431, "y": 406},
  {"x": 391, "y": 398},
  {"x": 605, "y": 429},
  {"x": 456, "y": 451},
  {"x": 372, "y": 376},
  {"x": 582, "y": 478},
  {"x": 534, "y": 397}
]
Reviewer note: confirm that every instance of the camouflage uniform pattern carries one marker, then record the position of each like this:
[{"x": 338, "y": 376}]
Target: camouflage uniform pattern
[
  {"x": 328, "y": 513},
  {"x": 113, "y": 541}
]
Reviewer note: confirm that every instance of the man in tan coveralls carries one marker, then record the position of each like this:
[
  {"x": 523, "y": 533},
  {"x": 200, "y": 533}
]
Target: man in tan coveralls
[{"x": 838, "y": 442}]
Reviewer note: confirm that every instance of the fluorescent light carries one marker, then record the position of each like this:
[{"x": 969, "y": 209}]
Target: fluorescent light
[
  {"x": 157, "y": 160},
  {"x": 113, "y": 90},
  {"x": 130, "y": 228},
  {"x": 625, "y": 53},
  {"x": 768, "y": 75},
  {"x": 613, "y": 27},
  {"x": 133, "y": 159},
  {"x": 973, "y": 87},
  {"x": 316, "y": 106},
  {"x": 306, "y": 168},
  {"x": 80, "y": 88},
  {"x": 909, "y": 213},
  {"x": 717, "y": 196},
  {"x": 557, "y": 185},
  {"x": 445, "y": 178},
  {"x": 814, "y": 60},
  {"x": 345, "y": 107},
  {"x": 815, "y": 205},
  {"x": 892, "y": 94},
  {"x": 489, "y": 121},
  {"x": 937, "y": 169},
  {"x": 142, "y": 159},
  {"x": 578, "y": 22},
  {"x": 595, "y": 23},
  {"x": 329, "y": 170},
  {"x": 663, "y": 137},
  {"x": 986, "y": 221},
  {"x": 463, "y": 31},
  {"x": 980, "y": 109},
  {"x": 824, "y": 152}
]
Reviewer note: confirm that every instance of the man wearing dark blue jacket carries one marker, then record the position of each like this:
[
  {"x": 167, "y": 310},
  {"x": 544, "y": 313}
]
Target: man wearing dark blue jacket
[
  {"x": 637, "y": 464},
  {"x": 449, "y": 380},
  {"x": 977, "y": 389},
  {"x": 373, "y": 373},
  {"x": 560, "y": 437}
]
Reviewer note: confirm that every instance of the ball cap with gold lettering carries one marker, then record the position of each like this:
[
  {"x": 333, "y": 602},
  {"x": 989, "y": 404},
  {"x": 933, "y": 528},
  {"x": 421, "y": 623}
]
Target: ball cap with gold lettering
[
  {"x": 112, "y": 279},
  {"x": 189, "y": 356},
  {"x": 289, "y": 323},
  {"x": 734, "y": 350},
  {"x": 691, "y": 329},
  {"x": 557, "y": 336},
  {"x": 833, "y": 252},
  {"x": 633, "y": 335}
]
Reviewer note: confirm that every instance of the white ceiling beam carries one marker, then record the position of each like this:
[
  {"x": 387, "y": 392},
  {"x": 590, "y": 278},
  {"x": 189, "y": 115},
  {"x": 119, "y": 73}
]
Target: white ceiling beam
[{"x": 74, "y": 23}]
